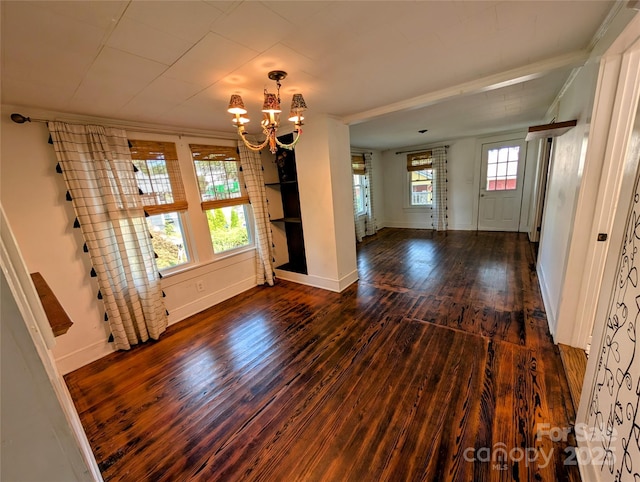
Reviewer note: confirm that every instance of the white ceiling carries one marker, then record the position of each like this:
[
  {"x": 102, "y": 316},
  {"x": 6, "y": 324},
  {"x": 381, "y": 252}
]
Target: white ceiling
[{"x": 389, "y": 68}]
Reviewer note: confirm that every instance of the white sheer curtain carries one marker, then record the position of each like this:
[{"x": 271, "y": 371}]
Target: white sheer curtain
[
  {"x": 97, "y": 168},
  {"x": 439, "y": 218},
  {"x": 254, "y": 180}
]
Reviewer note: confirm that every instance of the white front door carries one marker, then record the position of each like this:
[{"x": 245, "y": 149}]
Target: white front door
[{"x": 501, "y": 179}]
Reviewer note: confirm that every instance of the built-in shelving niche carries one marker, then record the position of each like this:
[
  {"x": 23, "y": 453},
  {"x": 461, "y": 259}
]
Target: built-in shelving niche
[{"x": 286, "y": 217}]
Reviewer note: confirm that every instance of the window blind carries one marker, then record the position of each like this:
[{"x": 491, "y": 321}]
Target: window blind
[
  {"x": 357, "y": 164},
  {"x": 418, "y": 161},
  {"x": 158, "y": 176},
  {"x": 218, "y": 172}
]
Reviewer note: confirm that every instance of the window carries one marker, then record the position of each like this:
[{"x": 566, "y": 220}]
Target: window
[
  {"x": 502, "y": 168},
  {"x": 421, "y": 190},
  {"x": 420, "y": 176},
  {"x": 358, "y": 168},
  {"x": 222, "y": 196},
  {"x": 164, "y": 199},
  {"x": 358, "y": 191}
]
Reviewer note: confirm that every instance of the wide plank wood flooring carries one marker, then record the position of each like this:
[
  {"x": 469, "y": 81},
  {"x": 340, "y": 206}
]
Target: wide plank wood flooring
[{"x": 436, "y": 365}]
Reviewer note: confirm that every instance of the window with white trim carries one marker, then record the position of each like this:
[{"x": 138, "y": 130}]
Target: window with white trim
[
  {"x": 163, "y": 196},
  {"x": 420, "y": 179},
  {"x": 222, "y": 195},
  {"x": 359, "y": 172}
]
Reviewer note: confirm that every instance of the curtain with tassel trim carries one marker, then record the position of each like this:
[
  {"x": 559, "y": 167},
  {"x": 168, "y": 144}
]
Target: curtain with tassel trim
[
  {"x": 99, "y": 174},
  {"x": 254, "y": 181},
  {"x": 370, "y": 219},
  {"x": 439, "y": 218}
]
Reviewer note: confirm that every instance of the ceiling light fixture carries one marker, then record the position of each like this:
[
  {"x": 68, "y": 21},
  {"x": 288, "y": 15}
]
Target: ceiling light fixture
[{"x": 271, "y": 119}]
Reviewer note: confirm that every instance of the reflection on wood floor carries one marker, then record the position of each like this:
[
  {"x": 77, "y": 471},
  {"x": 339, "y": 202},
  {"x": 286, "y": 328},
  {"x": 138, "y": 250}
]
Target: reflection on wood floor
[{"x": 436, "y": 365}]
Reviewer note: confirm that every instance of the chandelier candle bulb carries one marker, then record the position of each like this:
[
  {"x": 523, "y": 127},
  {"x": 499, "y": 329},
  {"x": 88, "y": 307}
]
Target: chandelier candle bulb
[{"x": 271, "y": 110}]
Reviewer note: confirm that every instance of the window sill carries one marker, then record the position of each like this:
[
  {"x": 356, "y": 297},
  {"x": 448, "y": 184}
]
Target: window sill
[
  {"x": 231, "y": 257},
  {"x": 231, "y": 253},
  {"x": 419, "y": 209}
]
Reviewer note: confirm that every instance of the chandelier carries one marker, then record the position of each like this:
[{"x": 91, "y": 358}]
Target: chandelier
[{"x": 271, "y": 116}]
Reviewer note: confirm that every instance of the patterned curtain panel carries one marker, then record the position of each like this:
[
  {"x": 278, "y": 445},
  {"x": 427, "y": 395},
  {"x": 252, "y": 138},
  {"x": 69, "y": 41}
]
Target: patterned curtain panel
[
  {"x": 369, "y": 220},
  {"x": 359, "y": 220},
  {"x": 358, "y": 168},
  {"x": 252, "y": 170},
  {"x": 439, "y": 218},
  {"x": 97, "y": 168},
  {"x": 613, "y": 417}
]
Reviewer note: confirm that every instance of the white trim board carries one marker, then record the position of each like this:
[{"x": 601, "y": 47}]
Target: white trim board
[{"x": 318, "y": 281}]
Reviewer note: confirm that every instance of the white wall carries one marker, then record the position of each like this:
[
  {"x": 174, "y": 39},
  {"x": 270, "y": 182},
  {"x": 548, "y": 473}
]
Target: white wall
[
  {"x": 569, "y": 254},
  {"x": 563, "y": 187},
  {"x": 323, "y": 161},
  {"x": 36, "y": 441},
  {"x": 464, "y": 157},
  {"x": 42, "y": 437},
  {"x": 33, "y": 196}
]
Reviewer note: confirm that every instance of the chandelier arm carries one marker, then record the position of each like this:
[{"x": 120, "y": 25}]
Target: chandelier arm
[
  {"x": 293, "y": 144},
  {"x": 253, "y": 147},
  {"x": 271, "y": 121}
]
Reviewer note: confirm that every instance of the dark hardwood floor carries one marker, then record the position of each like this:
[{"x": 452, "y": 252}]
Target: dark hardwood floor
[{"x": 437, "y": 365}]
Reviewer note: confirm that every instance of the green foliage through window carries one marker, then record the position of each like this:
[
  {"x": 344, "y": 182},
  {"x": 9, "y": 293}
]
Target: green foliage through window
[{"x": 228, "y": 228}]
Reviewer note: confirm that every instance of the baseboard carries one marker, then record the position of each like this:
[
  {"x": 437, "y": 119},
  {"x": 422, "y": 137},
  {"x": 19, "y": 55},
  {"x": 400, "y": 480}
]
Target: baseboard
[
  {"x": 85, "y": 355},
  {"x": 318, "y": 281},
  {"x": 403, "y": 225},
  {"x": 91, "y": 353},
  {"x": 451, "y": 227},
  {"x": 185, "y": 311},
  {"x": 589, "y": 470},
  {"x": 546, "y": 301},
  {"x": 348, "y": 280}
]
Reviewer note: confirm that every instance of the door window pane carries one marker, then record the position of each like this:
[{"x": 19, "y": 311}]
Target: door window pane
[{"x": 502, "y": 169}]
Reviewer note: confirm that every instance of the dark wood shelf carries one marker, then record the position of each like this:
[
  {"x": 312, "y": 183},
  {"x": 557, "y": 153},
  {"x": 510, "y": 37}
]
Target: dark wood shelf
[
  {"x": 550, "y": 130},
  {"x": 291, "y": 220},
  {"x": 294, "y": 268},
  {"x": 58, "y": 318},
  {"x": 280, "y": 183},
  {"x": 287, "y": 220}
]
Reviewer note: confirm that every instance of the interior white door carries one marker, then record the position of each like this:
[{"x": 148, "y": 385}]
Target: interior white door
[{"x": 501, "y": 180}]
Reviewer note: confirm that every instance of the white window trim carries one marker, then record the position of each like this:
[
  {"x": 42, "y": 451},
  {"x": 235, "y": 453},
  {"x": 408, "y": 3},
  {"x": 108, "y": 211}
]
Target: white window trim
[
  {"x": 252, "y": 242},
  {"x": 407, "y": 198},
  {"x": 363, "y": 187},
  {"x": 196, "y": 232},
  {"x": 186, "y": 228}
]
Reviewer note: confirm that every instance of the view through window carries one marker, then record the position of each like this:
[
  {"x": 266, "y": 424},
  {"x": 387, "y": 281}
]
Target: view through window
[
  {"x": 158, "y": 176},
  {"x": 222, "y": 194},
  {"x": 421, "y": 187},
  {"x": 358, "y": 190},
  {"x": 502, "y": 168}
]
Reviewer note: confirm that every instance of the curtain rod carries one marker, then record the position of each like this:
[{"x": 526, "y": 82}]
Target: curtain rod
[
  {"x": 20, "y": 119},
  {"x": 423, "y": 149}
]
